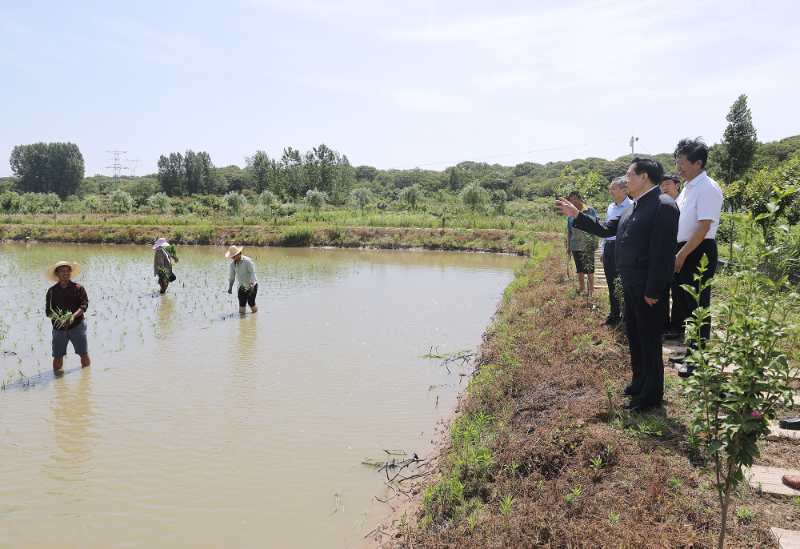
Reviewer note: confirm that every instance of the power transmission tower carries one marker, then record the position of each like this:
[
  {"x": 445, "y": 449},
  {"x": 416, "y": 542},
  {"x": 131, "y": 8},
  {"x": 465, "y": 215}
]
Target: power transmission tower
[
  {"x": 134, "y": 162},
  {"x": 116, "y": 164}
]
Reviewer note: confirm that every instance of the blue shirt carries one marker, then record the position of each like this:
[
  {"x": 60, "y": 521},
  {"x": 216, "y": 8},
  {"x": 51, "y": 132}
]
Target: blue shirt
[{"x": 614, "y": 211}]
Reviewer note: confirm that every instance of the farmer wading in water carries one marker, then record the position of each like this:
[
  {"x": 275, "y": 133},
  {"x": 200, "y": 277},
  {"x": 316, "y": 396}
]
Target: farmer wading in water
[
  {"x": 162, "y": 263},
  {"x": 65, "y": 305},
  {"x": 243, "y": 269}
]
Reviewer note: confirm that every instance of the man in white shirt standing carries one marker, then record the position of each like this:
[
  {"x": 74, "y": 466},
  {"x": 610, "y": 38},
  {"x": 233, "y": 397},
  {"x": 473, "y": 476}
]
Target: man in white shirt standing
[
  {"x": 618, "y": 189},
  {"x": 244, "y": 270},
  {"x": 700, "y": 204}
]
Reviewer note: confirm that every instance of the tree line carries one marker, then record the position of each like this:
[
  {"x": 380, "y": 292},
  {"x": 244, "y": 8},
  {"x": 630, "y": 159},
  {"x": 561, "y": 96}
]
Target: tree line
[{"x": 748, "y": 170}]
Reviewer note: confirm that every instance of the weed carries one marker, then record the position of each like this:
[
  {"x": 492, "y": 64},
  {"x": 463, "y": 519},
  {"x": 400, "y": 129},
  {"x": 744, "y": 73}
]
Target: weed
[
  {"x": 296, "y": 237},
  {"x": 505, "y": 505},
  {"x": 745, "y": 515},
  {"x": 613, "y": 518},
  {"x": 573, "y": 495},
  {"x": 674, "y": 484}
]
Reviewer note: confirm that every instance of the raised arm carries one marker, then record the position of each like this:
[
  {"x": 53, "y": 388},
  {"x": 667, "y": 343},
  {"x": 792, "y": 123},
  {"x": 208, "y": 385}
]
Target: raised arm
[{"x": 585, "y": 222}]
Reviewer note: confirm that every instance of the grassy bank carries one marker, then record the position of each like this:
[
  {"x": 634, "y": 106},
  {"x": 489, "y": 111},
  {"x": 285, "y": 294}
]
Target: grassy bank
[
  {"x": 486, "y": 240},
  {"x": 541, "y": 452}
]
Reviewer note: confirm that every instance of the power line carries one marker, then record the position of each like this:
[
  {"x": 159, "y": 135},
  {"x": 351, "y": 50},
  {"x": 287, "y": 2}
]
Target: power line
[{"x": 116, "y": 164}]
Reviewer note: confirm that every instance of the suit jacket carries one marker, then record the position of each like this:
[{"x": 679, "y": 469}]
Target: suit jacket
[{"x": 647, "y": 235}]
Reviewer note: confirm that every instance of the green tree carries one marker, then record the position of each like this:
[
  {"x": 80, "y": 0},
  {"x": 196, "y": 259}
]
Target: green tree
[
  {"x": 200, "y": 173},
  {"x": 361, "y": 197},
  {"x": 263, "y": 172},
  {"x": 121, "y": 202},
  {"x": 474, "y": 196},
  {"x": 48, "y": 167},
  {"x": 499, "y": 199},
  {"x": 315, "y": 199},
  {"x": 172, "y": 174},
  {"x": 411, "y": 196},
  {"x": 731, "y": 411},
  {"x": 739, "y": 141}
]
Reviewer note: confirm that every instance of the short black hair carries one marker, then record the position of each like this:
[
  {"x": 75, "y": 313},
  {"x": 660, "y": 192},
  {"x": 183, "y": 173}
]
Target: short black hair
[
  {"x": 693, "y": 150},
  {"x": 670, "y": 177},
  {"x": 653, "y": 168},
  {"x": 576, "y": 194}
]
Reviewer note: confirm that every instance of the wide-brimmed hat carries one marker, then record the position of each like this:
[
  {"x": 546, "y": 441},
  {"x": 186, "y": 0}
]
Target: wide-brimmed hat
[
  {"x": 234, "y": 251},
  {"x": 160, "y": 242},
  {"x": 50, "y": 273}
]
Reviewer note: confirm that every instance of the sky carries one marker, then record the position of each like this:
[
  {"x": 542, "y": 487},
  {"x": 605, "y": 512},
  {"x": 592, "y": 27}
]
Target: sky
[{"x": 391, "y": 84}]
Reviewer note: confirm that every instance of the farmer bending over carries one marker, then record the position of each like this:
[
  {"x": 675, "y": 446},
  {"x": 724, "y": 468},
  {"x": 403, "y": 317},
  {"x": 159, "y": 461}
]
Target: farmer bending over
[
  {"x": 242, "y": 267},
  {"x": 65, "y": 305}
]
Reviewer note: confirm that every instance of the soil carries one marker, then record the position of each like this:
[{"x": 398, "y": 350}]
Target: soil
[{"x": 559, "y": 411}]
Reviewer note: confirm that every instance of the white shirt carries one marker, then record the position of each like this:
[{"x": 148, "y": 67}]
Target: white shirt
[
  {"x": 614, "y": 211},
  {"x": 700, "y": 199},
  {"x": 245, "y": 271}
]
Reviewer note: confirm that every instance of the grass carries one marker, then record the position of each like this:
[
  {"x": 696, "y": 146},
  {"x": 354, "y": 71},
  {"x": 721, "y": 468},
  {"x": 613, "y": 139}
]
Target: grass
[{"x": 534, "y": 448}]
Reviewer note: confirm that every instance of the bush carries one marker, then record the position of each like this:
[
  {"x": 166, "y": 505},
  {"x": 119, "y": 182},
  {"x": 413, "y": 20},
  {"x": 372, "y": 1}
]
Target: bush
[
  {"x": 10, "y": 202},
  {"x": 235, "y": 203},
  {"x": 121, "y": 202},
  {"x": 160, "y": 202},
  {"x": 474, "y": 196},
  {"x": 315, "y": 199},
  {"x": 296, "y": 237}
]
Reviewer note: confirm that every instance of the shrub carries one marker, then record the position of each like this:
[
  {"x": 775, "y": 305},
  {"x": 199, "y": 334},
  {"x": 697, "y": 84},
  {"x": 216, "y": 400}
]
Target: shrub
[
  {"x": 160, "y": 202},
  {"x": 121, "y": 202},
  {"x": 315, "y": 199},
  {"x": 474, "y": 196},
  {"x": 235, "y": 203},
  {"x": 296, "y": 236}
]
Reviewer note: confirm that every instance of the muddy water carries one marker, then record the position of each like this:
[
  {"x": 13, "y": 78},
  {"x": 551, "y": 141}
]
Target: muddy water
[{"x": 197, "y": 428}]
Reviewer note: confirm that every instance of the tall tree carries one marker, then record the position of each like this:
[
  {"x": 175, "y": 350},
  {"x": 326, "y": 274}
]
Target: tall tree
[
  {"x": 172, "y": 174},
  {"x": 48, "y": 167},
  {"x": 739, "y": 141},
  {"x": 261, "y": 169}
]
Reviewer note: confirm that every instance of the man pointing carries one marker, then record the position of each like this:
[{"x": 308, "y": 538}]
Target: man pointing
[{"x": 646, "y": 236}]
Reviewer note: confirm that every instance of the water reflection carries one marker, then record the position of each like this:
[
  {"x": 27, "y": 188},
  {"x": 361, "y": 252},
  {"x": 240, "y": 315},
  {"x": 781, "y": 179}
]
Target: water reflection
[{"x": 72, "y": 419}]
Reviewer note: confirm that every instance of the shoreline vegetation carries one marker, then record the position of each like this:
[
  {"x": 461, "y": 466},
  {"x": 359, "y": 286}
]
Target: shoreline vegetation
[
  {"x": 517, "y": 242},
  {"x": 541, "y": 452}
]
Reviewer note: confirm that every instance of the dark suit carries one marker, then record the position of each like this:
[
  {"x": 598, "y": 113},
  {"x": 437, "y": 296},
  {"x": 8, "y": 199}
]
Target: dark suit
[{"x": 645, "y": 259}]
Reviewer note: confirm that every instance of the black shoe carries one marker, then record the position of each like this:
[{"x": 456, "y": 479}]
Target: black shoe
[
  {"x": 630, "y": 390},
  {"x": 640, "y": 406},
  {"x": 684, "y": 370},
  {"x": 673, "y": 336},
  {"x": 677, "y": 359},
  {"x": 612, "y": 321}
]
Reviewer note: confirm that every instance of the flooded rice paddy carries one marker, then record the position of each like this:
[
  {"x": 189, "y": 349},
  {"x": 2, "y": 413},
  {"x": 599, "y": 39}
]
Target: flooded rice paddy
[{"x": 197, "y": 428}]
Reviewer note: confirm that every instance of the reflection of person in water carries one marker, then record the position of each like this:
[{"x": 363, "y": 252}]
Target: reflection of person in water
[{"x": 72, "y": 419}]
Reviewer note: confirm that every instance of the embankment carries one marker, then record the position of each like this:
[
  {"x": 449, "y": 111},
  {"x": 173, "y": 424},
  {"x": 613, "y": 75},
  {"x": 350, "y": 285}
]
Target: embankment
[
  {"x": 482, "y": 240},
  {"x": 541, "y": 453}
]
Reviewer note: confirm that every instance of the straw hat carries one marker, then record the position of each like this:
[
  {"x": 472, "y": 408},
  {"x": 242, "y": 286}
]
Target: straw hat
[
  {"x": 160, "y": 242},
  {"x": 51, "y": 272},
  {"x": 234, "y": 251}
]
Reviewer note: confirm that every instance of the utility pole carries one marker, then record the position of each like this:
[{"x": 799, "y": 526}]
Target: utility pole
[
  {"x": 632, "y": 142},
  {"x": 116, "y": 165}
]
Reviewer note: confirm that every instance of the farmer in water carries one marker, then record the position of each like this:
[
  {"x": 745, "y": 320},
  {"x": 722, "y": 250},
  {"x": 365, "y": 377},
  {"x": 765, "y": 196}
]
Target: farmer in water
[
  {"x": 65, "y": 305},
  {"x": 242, "y": 268},
  {"x": 162, "y": 263}
]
